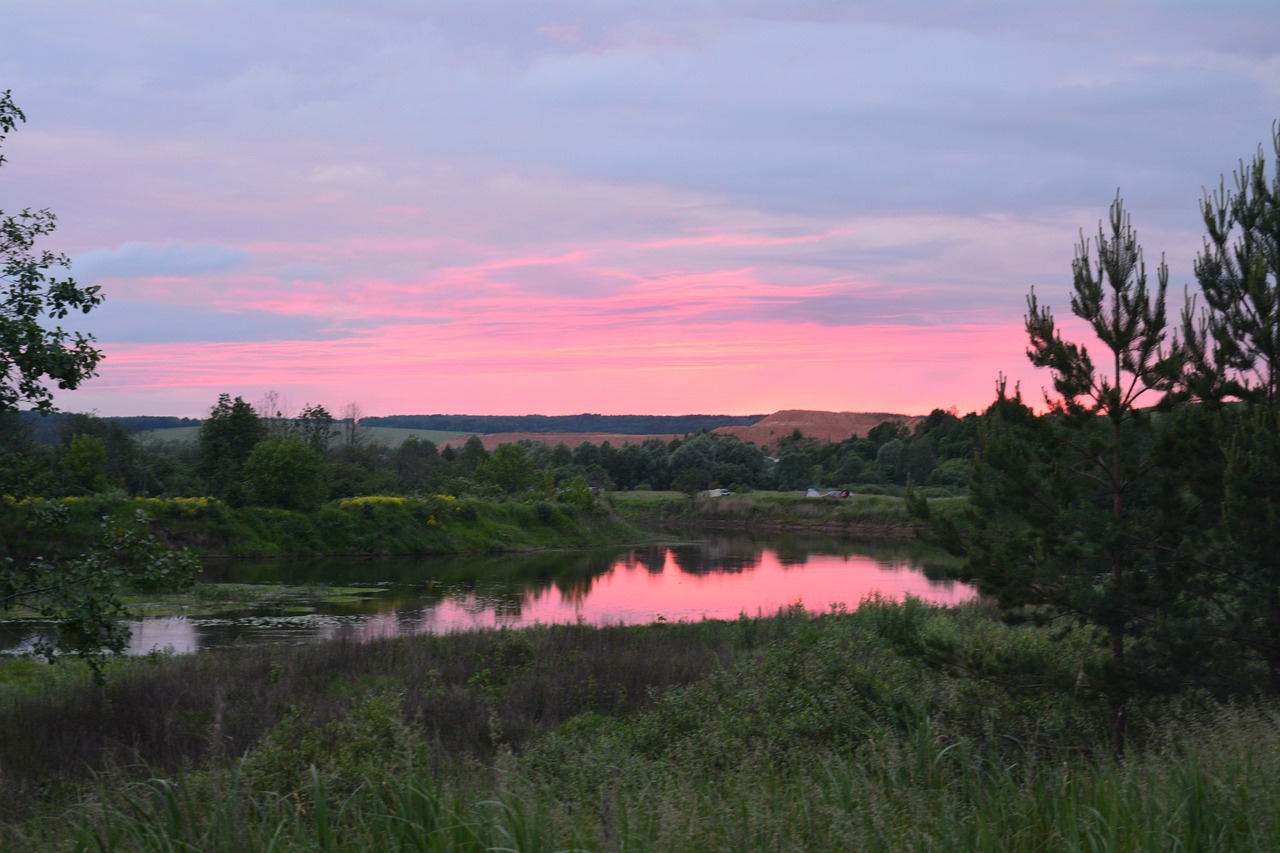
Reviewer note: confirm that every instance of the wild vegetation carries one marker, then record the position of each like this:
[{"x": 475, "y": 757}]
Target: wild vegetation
[{"x": 891, "y": 727}]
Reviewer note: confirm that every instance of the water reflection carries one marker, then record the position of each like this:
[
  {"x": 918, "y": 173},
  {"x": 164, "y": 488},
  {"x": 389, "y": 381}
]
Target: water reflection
[{"x": 717, "y": 578}]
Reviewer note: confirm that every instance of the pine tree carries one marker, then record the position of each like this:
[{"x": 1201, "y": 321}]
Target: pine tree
[
  {"x": 1232, "y": 366},
  {"x": 1061, "y": 521}
]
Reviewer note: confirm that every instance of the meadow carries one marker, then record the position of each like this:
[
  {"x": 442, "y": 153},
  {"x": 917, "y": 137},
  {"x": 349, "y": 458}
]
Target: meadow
[{"x": 891, "y": 727}]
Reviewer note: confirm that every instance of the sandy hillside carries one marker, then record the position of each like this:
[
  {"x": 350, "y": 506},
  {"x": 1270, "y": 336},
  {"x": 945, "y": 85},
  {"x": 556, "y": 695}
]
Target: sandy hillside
[{"x": 824, "y": 426}]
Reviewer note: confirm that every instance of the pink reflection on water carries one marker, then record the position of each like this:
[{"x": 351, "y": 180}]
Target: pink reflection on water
[
  {"x": 632, "y": 593},
  {"x": 672, "y": 584}
]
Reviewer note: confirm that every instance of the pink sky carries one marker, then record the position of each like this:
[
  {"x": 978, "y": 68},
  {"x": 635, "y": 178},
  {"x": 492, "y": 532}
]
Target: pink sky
[{"x": 511, "y": 208}]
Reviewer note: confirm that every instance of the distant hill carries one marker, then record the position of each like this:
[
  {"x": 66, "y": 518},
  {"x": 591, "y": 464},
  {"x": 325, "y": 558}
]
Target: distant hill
[
  {"x": 824, "y": 426},
  {"x": 585, "y": 423}
]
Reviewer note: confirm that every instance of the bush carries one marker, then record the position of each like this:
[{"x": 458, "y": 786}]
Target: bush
[{"x": 371, "y": 742}]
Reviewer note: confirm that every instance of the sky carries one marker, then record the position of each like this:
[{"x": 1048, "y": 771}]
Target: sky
[{"x": 616, "y": 207}]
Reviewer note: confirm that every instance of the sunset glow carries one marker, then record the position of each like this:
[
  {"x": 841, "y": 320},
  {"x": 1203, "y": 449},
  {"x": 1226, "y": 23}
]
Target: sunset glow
[{"x": 508, "y": 208}]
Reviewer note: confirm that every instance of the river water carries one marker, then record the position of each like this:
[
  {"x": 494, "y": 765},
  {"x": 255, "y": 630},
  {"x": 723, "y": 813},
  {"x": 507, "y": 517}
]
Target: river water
[{"x": 718, "y": 578}]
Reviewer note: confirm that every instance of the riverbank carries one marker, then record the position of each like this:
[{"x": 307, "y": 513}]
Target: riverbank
[
  {"x": 890, "y": 727},
  {"x": 859, "y": 516},
  {"x": 379, "y": 525}
]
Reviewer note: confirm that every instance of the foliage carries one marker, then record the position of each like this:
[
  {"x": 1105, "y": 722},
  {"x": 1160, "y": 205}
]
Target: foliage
[
  {"x": 284, "y": 473},
  {"x": 85, "y": 593},
  {"x": 85, "y": 463},
  {"x": 1060, "y": 521},
  {"x": 227, "y": 437},
  {"x": 314, "y": 426},
  {"x": 1232, "y": 368},
  {"x": 510, "y": 470},
  {"x": 32, "y": 356},
  {"x": 369, "y": 742},
  {"x": 382, "y": 524},
  {"x": 81, "y": 593},
  {"x": 1251, "y": 532}
]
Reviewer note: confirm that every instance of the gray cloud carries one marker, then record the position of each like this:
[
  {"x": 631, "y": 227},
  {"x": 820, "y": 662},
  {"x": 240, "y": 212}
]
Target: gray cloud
[
  {"x": 139, "y": 260},
  {"x": 127, "y": 322}
]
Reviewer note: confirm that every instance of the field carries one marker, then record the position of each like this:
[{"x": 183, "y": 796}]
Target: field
[{"x": 383, "y": 435}]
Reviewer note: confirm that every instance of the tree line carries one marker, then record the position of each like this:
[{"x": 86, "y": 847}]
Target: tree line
[
  {"x": 616, "y": 424},
  {"x": 253, "y": 453}
]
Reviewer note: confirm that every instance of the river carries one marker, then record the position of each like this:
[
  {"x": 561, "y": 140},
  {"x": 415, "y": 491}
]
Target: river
[{"x": 294, "y": 601}]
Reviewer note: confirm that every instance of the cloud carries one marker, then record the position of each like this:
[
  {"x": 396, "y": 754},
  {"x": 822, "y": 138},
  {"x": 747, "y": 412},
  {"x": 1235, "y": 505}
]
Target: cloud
[
  {"x": 118, "y": 322},
  {"x": 704, "y": 186},
  {"x": 143, "y": 260}
]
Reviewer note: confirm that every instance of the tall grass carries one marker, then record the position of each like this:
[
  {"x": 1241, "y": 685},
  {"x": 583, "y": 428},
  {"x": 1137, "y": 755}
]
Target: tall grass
[
  {"x": 893, "y": 727},
  {"x": 913, "y": 792}
]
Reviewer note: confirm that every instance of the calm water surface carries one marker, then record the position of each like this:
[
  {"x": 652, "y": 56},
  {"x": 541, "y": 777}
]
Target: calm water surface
[{"x": 712, "y": 579}]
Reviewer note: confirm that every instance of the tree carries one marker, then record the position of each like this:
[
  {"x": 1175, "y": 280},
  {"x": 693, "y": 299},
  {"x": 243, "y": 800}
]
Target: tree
[
  {"x": 470, "y": 457},
  {"x": 85, "y": 463},
  {"x": 353, "y": 433},
  {"x": 1233, "y": 344},
  {"x": 1233, "y": 357},
  {"x": 33, "y": 357},
  {"x": 83, "y": 594},
  {"x": 417, "y": 462},
  {"x": 314, "y": 425},
  {"x": 273, "y": 411},
  {"x": 1060, "y": 519},
  {"x": 284, "y": 473},
  {"x": 509, "y": 469},
  {"x": 227, "y": 437}
]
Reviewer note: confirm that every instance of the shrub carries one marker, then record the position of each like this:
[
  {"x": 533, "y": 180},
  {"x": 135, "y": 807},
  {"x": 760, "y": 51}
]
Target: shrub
[{"x": 372, "y": 742}]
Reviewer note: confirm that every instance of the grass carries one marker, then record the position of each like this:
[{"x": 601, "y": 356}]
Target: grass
[
  {"x": 892, "y": 727},
  {"x": 863, "y": 515}
]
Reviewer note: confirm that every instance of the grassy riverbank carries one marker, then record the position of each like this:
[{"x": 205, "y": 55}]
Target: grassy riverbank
[
  {"x": 875, "y": 516},
  {"x": 898, "y": 727},
  {"x": 437, "y": 524}
]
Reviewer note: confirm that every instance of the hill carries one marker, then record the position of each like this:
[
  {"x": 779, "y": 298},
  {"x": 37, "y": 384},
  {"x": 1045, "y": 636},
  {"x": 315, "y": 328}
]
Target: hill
[{"x": 824, "y": 426}]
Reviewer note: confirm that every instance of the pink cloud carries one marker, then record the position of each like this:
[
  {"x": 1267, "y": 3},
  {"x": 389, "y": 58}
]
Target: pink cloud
[{"x": 750, "y": 367}]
